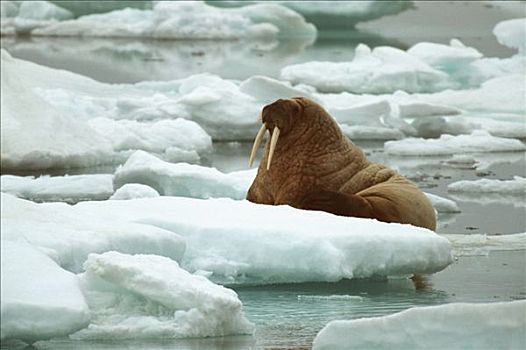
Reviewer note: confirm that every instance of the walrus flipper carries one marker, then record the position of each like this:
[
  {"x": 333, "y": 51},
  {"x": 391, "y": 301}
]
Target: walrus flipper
[{"x": 338, "y": 203}]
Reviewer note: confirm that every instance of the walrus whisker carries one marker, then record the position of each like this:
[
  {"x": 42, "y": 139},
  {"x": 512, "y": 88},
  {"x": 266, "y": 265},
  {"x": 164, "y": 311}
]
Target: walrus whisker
[
  {"x": 273, "y": 141},
  {"x": 257, "y": 142}
]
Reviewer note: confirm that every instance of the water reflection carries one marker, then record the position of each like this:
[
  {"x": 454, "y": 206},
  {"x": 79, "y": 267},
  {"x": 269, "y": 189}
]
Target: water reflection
[{"x": 121, "y": 60}]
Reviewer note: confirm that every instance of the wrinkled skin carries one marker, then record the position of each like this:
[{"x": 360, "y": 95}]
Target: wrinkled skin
[{"x": 316, "y": 167}]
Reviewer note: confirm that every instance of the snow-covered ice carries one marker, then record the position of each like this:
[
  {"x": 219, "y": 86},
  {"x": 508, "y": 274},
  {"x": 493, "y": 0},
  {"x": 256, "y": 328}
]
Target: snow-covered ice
[
  {"x": 176, "y": 20},
  {"x": 39, "y": 299},
  {"x": 195, "y": 181},
  {"x": 150, "y": 296},
  {"x": 334, "y": 14},
  {"x": 183, "y": 179},
  {"x": 35, "y": 134},
  {"x": 451, "y": 326},
  {"x": 381, "y": 70},
  {"x": 69, "y": 237},
  {"x": 70, "y": 189},
  {"x": 483, "y": 244},
  {"x": 515, "y": 186},
  {"x": 241, "y": 242},
  {"x": 25, "y": 16},
  {"x": 133, "y": 191},
  {"x": 477, "y": 141},
  {"x": 512, "y": 33},
  {"x": 443, "y": 205}
]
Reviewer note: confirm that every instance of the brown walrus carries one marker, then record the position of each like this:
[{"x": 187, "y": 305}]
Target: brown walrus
[{"x": 315, "y": 167}]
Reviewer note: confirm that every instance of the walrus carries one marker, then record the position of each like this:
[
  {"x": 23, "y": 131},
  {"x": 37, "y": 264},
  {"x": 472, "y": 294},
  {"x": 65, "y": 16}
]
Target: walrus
[{"x": 309, "y": 164}]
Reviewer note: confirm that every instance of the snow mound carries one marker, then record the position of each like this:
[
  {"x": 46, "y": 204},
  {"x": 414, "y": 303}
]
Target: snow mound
[
  {"x": 69, "y": 237},
  {"x": 451, "y": 326},
  {"x": 381, "y": 70},
  {"x": 179, "y": 20},
  {"x": 183, "y": 179},
  {"x": 133, "y": 191},
  {"x": 477, "y": 141},
  {"x": 238, "y": 242},
  {"x": 482, "y": 244},
  {"x": 512, "y": 33},
  {"x": 35, "y": 290},
  {"x": 150, "y": 296},
  {"x": 515, "y": 186},
  {"x": 70, "y": 189}
]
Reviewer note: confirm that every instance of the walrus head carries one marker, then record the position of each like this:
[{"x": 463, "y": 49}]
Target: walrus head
[
  {"x": 277, "y": 118},
  {"x": 285, "y": 118}
]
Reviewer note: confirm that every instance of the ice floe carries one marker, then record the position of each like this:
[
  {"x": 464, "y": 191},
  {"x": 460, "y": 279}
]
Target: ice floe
[
  {"x": 515, "y": 186},
  {"x": 335, "y": 14},
  {"x": 183, "y": 179},
  {"x": 175, "y": 20},
  {"x": 133, "y": 191},
  {"x": 451, "y": 326},
  {"x": 150, "y": 296},
  {"x": 195, "y": 181},
  {"x": 443, "y": 205},
  {"x": 68, "y": 237},
  {"x": 381, "y": 70},
  {"x": 483, "y": 244},
  {"x": 39, "y": 299},
  {"x": 240, "y": 242},
  {"x": 70, "y": 189},
  {"x": 477, "y": 141},
  {"x": 25, "y": 16},
  {"x": 512, "y": 33}
]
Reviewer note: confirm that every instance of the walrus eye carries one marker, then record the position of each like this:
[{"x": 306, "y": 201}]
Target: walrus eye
[
  {"x": 273, "y": 141},
  {"x": 257, "y": 142}
]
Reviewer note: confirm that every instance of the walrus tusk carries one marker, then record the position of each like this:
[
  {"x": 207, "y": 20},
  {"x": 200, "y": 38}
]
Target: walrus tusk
[
  {"x": 273, "y": 141},
  {"x": 257, "y": 142}
]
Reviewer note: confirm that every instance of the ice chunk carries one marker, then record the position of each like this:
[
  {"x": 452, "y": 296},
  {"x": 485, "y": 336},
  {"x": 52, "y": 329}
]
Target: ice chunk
[
  {"x": 36, "y": 135},
  {"x": 382, "y": 70},
  {"x": 501, "y": 94},
  {"x": 434, "y": 127},
  {"x": 187, "y": 20},
  {"x": 132, "y": 191},
  {"x": 268, "y": 90},
  {"x": 53, "y": 118},
  {"x": 482, "y": 244},
  {"x": 445, "y": 57},
  {"x": 70, "y": 189},
  {"x": 183, "y": 179},
  {"x": 443, "y": 205},
  {"x": 68, "y": 237},
  {"x": 39, "y": 299},
  {"x": 515, "y": 186},
  {"x": 149, "y": 296},
  {"x": 335, "y": 14},
  {"x": 512, "y": 33},
  {"x": 24, "y": 16},
  {"x": 176, "y": 140},
  {"x": 451, "y": 326},
  {"x": 478, "y": 141},
  {"x": 241, "y": 242}
]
